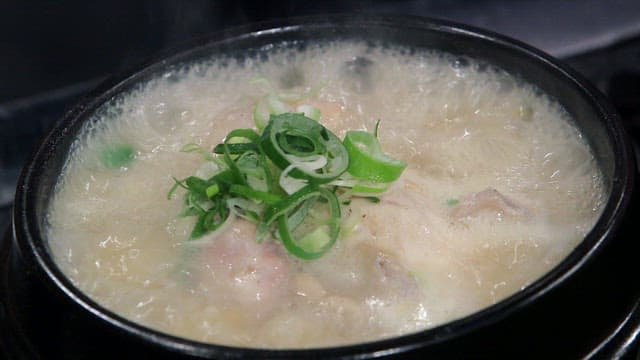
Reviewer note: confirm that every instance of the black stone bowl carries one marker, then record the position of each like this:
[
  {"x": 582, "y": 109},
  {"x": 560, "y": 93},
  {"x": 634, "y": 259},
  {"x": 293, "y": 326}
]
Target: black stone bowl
[{"x": 519, "y": 325}]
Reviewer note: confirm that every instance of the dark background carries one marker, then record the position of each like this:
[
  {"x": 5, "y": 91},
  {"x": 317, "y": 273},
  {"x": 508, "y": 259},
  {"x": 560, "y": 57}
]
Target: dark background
[{"x": 51, "y": 44}]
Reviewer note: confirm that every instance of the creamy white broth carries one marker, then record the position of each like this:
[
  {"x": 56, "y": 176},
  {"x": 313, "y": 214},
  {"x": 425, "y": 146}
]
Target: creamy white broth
[{"x": 499, "y": 188}]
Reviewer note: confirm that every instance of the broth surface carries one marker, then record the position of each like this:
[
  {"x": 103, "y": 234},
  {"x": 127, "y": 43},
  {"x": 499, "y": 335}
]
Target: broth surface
[{"x": 500, "y": 187}]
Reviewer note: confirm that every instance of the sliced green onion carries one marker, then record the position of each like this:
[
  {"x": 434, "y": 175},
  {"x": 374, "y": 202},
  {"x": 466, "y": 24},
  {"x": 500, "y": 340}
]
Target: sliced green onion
[
  {"x": 293, "y": 138},
  {"x": 194, "y": 204},
  {"x": 191, "y": 211},
  {"x": 210, "y": 220},
  {"x": 211, "y": 235},
  {"x": 319, "y": 241},
  {"x": 248, "y": 134},
  {"x": 367, "y": 161},
  {"x": 191, "y": 147},
  {"x": 249, "y": 164},
  {"x": 246, "y": 191},
  {"x": 176, "y": 185},
  {"x": 297, "y": 217},
  {"x": 289, "y": 203},
  {"x": 235, "y": 149},
  {"x": 368, "y": 188},
  {"x": 224, "y": 179},
  {"x": 295, "y": 174},
  {"x": 290, "y": 184},
  {"x": 197, "y": 186},
  {"x": 212, "y": 190},
  {"x": 195, "y": 148},
  {"x": 245, "y": 208},
  {"x": 360, "y": 187},
  {"x": 251, "y": 167},
  {"x": 310, "y": 246}
]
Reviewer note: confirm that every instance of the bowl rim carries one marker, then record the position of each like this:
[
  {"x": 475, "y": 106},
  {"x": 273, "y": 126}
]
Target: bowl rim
[{"x": 32, "y": 244}]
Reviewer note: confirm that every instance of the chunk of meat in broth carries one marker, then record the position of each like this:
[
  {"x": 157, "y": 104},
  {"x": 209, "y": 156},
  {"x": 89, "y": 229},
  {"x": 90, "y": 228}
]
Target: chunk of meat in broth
[
  {"x": 489, "y": 199},
  {"x": 244, "y": 273},
  {"x": 365, "y": 283},
  {"x": 365, "y": 270},
  {"x": 393, "y": 295},
  {"x": 386, "y": 273}
]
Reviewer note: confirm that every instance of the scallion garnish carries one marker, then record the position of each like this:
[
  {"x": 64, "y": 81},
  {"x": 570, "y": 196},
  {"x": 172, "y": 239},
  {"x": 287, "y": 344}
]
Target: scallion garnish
[
  {"x": 321, "y": 238},
  {"x": 368, "y": 161},
  {"x": 452, "y": 202},
  {"x": 117, "y": 156},
  {"x": 292, "y": 139},
  {"x": 290, "y": 178}
]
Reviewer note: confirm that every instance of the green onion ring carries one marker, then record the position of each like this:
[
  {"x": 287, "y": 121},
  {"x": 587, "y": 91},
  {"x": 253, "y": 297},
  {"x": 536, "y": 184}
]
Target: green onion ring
[
  {"x": 290, "y": 138},
  {"x": 315, "y": 244},
  {"x": 283, "y": 211},
  {"x": 367, "y": 161},
  {"x": 249, "y": 134}
]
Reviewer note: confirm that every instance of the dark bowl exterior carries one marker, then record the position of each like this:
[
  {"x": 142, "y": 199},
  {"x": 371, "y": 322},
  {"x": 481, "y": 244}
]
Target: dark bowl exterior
[{"x": 597, "y": 120}]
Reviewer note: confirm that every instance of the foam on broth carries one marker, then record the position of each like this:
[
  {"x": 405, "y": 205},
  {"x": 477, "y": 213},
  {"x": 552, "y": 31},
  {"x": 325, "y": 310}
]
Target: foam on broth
[{"x": 499, "y": 188}]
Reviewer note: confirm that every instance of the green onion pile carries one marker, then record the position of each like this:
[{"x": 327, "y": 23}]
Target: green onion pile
[{"x": 290, "y": 178}]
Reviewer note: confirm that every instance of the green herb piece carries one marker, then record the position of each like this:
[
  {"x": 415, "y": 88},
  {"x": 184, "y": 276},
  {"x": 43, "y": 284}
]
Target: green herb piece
[
  {"x": 117, "y": 156},
  {"x": 368, "y": 187},
  {"x": 197, "y": 186},
  {"x": 245, "y": 134},
  {"x": 211, "y": 219},
  {"x": 368, "y": 161},
  {"x": 247, "y": 192},
  {"x": 235, "y": 149},
  {"x": 212, "y": 190},
  {"x": 452, "y": 201},
  {"x": 195, "y": 148},
  {"x": 319, "y": 240},
  {"x": 176, "y": 185},
  {"x": 246, "y": 209}
]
